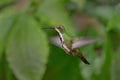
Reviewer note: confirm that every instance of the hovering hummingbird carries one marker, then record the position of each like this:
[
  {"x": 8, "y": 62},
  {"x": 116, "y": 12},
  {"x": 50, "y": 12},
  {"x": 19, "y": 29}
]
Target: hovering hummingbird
[{"x": 71, "y": 47}]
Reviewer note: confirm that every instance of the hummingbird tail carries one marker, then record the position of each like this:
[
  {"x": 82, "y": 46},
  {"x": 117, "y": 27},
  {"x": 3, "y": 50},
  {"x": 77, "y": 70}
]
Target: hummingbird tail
[
  {"x": 82, "y": 58},
  {"x": 79, "y": 54}
]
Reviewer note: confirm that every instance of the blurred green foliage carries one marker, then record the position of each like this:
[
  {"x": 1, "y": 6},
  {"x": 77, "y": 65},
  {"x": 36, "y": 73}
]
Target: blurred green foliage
[{"x": 27, "y": 54}]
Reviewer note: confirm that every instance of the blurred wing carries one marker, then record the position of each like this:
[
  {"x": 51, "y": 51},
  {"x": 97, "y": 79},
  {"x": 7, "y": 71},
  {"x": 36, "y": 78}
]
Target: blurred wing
[
  {"x": 56, "y": 41},
  {"x": 82, "y": 41}
]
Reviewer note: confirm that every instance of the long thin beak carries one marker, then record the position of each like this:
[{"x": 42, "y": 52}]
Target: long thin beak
[{"x": 47, "y": 27}]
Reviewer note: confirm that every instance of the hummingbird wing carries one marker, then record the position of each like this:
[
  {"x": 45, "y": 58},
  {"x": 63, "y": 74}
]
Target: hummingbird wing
[
  {"x": 56, "y": 41},
  {"x": 78, "y": 42},
  {"x": 75, "y": 52}
]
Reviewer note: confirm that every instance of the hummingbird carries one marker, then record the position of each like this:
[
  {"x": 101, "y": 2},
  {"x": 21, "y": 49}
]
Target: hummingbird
[{"x": 71, "y": 47}]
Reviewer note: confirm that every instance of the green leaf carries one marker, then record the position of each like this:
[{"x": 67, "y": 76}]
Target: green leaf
[
  {"x": 5, "y": 25},
  {"x": 106, "y": 69},
  {"x": 5, "y": 71},
  {"x": 27, "y": 50},
  {"x": 116, "y": 65}
]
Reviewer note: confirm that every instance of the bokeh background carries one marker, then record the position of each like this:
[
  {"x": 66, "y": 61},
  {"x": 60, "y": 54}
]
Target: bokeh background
[{"x": 27, "y": 54}]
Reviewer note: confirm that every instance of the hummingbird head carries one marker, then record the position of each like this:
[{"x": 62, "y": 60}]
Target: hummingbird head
[{"x": 61, "y": 28}]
